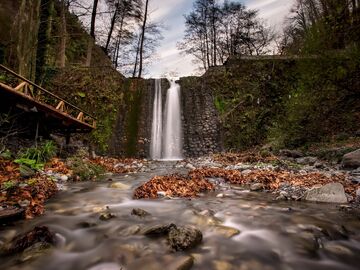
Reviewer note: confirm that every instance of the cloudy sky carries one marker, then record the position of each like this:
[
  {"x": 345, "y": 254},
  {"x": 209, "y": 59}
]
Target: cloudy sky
[{"x": 171, "y": 14}]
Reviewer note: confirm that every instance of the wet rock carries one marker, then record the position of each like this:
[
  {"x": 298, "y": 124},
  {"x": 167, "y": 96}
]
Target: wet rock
[
  {"x": 26, "y": 172},
  {"x": 86, "y": 224},
  {"x": 158, "y": 230},
  {"x": 306, "y": 160},
  {"x": 134, "y": 229},
  {"x": 106, "y": 216},
  {"x": 337, "y": 249},
  {"x": 35, "y": 251},
  {"x": 330, "y": 193},
  {"x": 190, "y": 166},
  {"x": 161, "y": 194},
  {"x": 166, "y": 262},
  {"x": 106, "y": 266},
  {"x": 119, "y": 185},
  {"x": 256, "y": 187},
  {"x": 226, "y": 231},
  {"x": 139, "y": 212},
  {"x": 24, "y": 203},
  {"x": 40, "y": 234},
  {"x": 64, "y": 178},
  {"x": 222, "y": 265},
  {"x": 220, "y": 195},
  {"x": 291, "y": 153},
  {"x": 11, "y": 214},
  {"x": 184, "y": 238},
  {"x": 351, "y": 160},
  {"x": 358, "y": 195}
]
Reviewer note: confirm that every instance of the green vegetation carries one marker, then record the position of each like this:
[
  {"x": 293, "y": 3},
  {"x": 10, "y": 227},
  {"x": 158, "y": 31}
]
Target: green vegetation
[
  {"x": 85, "y": 170},
  {"x": 35, "y": 157},
  {"x": 287, "y": 103}
]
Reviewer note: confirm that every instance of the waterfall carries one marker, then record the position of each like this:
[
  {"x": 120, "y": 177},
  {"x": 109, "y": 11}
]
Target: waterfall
[
  {"x": 166, "y": 136},
  {"x": 156, "y": 129},
  {"x": 172, "y": 148}
]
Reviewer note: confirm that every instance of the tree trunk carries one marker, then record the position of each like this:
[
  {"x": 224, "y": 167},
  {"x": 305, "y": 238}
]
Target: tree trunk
[
  {"x": 62, "y": 51},
  {"x": 113, "y": 20},
  {"x": 91, "y": 40},
  {"x": 137, "y": 56},
  {"x": 44, "y": 38},
  {"x": 143, "y": 30}
]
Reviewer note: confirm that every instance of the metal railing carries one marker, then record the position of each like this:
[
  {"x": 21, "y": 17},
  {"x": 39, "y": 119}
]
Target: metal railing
[{"x": 44, "y": 96}]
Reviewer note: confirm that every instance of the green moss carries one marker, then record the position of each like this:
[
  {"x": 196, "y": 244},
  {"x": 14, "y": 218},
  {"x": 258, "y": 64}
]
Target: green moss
[{"x": 133, "y": 100}]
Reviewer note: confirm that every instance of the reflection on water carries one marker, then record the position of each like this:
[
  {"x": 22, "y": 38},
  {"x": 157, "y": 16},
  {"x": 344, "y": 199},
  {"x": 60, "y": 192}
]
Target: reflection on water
[{"x": 265, "y": 234}]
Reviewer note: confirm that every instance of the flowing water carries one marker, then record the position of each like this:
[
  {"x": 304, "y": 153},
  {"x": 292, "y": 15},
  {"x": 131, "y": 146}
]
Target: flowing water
[
  {"x": 156, "y": 129},
  {"x": 172, "y": 149},
  {"x": 166, "y": 132},
  {"x": 273, "y": 235}
]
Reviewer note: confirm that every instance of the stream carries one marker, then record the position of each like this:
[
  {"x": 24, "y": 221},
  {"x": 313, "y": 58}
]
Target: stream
[{"x": 266, "y": 234}]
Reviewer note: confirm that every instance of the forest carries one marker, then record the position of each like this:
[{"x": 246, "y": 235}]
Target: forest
[{"x": 203, "y": 134}]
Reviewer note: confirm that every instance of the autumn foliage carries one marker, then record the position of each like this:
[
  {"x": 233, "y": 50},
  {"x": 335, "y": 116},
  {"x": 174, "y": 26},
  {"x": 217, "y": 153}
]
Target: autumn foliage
[{"x": 174, "y": 186}]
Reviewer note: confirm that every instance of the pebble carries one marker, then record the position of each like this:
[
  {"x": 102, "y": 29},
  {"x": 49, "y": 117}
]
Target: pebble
[{"x": 64, "y": 178}]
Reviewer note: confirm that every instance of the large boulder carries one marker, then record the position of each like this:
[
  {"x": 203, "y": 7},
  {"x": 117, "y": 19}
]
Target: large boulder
[
  {"x": 330, "y": 193},
  {"x": 183, "y": 238},
  {"x": 351, "y": 160}
]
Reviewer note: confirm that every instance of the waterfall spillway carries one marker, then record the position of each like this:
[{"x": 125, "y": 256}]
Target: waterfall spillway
[
  {"x": 166, "y": 133},
  {"x": 156, "y": 129}
]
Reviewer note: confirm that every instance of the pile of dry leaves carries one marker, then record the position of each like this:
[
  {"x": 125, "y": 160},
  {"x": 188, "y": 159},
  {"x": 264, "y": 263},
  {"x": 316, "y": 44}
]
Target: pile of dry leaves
[
  {"x": 115, "y": 165},
  {"x": 250, "y": 156},
  {"x": 272, "y": 179},
  {"x": 195, "y": 182},
  {"x": 28, "y": 193},
  {"x": 174, "y": 186},
  {"x": 58, "y": 166},
  {"x": 33, "y": 196}
]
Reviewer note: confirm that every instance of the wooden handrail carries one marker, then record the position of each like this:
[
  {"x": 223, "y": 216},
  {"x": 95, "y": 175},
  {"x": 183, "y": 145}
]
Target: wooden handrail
[
  {"x": 62, "y": 103},
  {"x": 44, "y": 90}
]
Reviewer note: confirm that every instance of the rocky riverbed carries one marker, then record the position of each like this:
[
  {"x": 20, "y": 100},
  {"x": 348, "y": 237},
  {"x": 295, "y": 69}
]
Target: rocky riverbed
[{"x": 99, "y": 225}]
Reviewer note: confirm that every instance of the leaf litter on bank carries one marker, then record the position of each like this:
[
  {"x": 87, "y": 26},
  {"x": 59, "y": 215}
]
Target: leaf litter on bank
[{"x": 196, "y": 181}]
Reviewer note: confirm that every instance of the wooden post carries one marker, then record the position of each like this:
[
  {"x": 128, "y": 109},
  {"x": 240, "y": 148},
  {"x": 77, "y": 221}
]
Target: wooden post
[{"x": 67, "y": 138}]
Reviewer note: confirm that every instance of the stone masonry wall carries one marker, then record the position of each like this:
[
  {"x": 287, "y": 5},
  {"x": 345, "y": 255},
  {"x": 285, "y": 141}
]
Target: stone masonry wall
[{"x": 202, "y": 132}]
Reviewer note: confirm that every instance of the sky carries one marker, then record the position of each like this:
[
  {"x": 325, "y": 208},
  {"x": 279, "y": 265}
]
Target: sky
[{"x": 171, "y": 14}]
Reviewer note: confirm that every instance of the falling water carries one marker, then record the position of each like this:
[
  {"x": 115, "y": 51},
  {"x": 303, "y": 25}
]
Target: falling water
[
  {"x": 166, "y": 136},
  {"x": 156, "y": 130},
  {"x": 172, "y": 148}
]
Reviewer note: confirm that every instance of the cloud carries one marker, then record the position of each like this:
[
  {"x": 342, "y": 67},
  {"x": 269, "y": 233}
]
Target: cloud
[{"x": 171, "y": 14}]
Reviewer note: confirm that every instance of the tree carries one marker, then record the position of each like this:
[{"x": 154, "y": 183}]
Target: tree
[
  {"x": 92, "y": 33},
  {"x": 214, "y": 32},
  {"x": 315, "y": 26},
  {"x": 142, "y": 38},
  {"x": 63, "y": 33}
]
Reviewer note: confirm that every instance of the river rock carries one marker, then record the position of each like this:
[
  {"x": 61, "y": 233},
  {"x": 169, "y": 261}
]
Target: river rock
[
  {"x": 358, "y": 195},
  {"x": 330, "y": 193},
  {"x": 119, "y": 185},
  {"x": 26, "y": 172},
  {"x": 190, "y": 166},
  {"x": 35, "y": 251},
  {"x": 226, "y": 231},
  {"x": 166, "y": 262},
  {"x": 106, "y": 216},
  {"x": 351, "y": 160},
  {"x": 291, "y": 153},
  {"x": 306, "y": 160},
  {"x": 183, "y": 238},
  {"x": 256, "y": 187},
  {"x": 158, "y": 230},
  {"x": 11, "y": 214},
  {"x": 139, "y": 212},
  {"x": 40, "y": 234}
]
